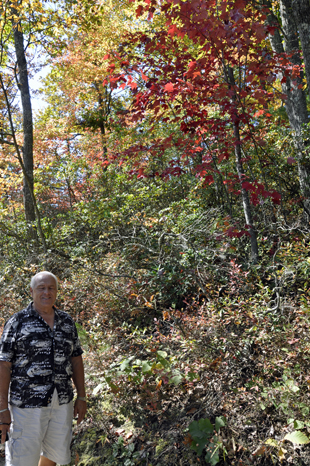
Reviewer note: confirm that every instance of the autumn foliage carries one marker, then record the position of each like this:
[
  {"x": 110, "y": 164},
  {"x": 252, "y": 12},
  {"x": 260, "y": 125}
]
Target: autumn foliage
[{"x": 171, "y": 186}]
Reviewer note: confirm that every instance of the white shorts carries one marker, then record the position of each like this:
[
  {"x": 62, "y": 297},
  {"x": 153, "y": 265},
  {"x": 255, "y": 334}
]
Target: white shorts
[{"x": 40, "y": 431}]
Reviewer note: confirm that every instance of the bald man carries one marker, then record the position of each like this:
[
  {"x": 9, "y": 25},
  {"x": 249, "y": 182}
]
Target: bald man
[{"x": 39, "y": 355}]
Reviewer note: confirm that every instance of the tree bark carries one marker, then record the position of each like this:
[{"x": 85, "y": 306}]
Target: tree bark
[
  {"x": 241, "y": 174},
  {"x": 295, "y": 103},
  {"x": 301, "y": 12},
  {"x": 104, "y": 111},
  {"x": 23, "y": 85}
]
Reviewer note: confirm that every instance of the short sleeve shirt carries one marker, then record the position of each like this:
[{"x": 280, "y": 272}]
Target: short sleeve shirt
[{"x": 40, "y": 357}]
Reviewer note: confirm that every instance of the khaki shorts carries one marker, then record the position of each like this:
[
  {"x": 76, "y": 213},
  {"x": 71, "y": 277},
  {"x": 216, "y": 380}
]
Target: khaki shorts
[{"x": 40, "y": 431}]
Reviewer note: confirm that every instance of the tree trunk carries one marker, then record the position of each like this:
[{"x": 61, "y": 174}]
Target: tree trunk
[
  {"x": 301, "y": 12},
  {"x": 241, "y": 175},
  {"x": 23, "y": 85},
  {"x": 103, "y": 116},
  {"x": 295, "y": 103}
]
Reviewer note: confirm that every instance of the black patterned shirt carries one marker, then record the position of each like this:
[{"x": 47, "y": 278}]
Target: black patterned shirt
[{"x": 40, "y": 357}]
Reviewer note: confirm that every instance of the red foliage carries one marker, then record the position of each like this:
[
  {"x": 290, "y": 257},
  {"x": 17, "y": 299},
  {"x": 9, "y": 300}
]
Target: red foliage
[{"x": 221, "y": 81}]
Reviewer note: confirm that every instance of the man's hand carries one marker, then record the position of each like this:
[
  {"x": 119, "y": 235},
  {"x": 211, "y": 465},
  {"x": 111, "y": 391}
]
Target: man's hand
[
  {"x": 80, "y": 407},
  {"x": 5, "y": 421},
  {"x": 78, "y": 379},
  {"x": 5, "y": 416}
]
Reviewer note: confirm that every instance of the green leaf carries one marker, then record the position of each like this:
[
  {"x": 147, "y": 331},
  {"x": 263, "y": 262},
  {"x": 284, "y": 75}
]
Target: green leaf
[
  {"x": 176, "y": 380},
  {"x": 272, "y": 442},
  {"x": 124, "y": 365},
  {"x": 297, "y": 437},
  {"x": 304, "y": 409},
  {"x": 162, "y": 354},
  {"x": 291, "y": 385},
  {"x": 220, "y": 422},
  {"x": 198, "y": 445},
  {"x": 212, "y": 457},
  {"x": 146, "y": 367},
  {"x": 131, "y": 447},
  {"x": 201, "y": 429},
  {"x": 299, "y": 424}
]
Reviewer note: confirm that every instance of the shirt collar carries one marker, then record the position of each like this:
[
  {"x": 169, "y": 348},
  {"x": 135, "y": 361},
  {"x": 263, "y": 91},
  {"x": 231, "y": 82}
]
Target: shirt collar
[{"x": 32, "y": 312}]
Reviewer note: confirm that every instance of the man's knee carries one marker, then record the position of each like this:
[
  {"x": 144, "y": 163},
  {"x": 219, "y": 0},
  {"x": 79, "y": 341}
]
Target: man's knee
[{"x": 46, "y": 462}]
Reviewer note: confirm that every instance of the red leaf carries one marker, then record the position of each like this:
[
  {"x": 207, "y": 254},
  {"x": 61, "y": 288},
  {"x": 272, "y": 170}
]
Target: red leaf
[
  {"x": 246, "y": 185},
  {"x": 173, "y": 30},
  {"x": 254, "y": 199},
  {"x": 291, "y": 160},
  {"x": 169, "y": 87},
  {"x": 208, "y": 180},
  {"x": 259, "y": 113},
  {"x": 139, "y": 11},
  {"x": 145, "y": 78},
  {"x": 276, "y": 197}
]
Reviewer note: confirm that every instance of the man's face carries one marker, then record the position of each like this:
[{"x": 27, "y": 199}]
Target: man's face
[{"x": 44, "y": 292}]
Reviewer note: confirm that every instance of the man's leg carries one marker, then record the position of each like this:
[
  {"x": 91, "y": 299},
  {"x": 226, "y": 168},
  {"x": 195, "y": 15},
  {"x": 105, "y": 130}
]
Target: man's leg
[
  {"x": 46, "y": 462},
  {"x": 56, "y": 442},
  {"x": 25, "y": 439}
]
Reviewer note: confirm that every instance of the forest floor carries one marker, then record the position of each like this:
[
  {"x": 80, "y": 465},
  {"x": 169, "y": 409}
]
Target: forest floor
[
  {"x": 224, "y": 381},
  {"x": 227, "y": 388}
]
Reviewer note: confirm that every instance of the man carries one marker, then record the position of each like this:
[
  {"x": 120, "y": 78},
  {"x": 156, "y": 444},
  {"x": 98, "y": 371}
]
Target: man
[{"x": 39, "y": 354}]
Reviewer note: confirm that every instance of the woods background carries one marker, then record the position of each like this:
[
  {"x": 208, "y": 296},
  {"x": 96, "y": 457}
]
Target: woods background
[{"x": 166, "y": 182}]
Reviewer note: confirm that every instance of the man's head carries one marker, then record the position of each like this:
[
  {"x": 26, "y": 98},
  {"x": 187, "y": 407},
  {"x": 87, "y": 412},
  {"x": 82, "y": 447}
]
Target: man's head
[
  {"x": 43, "y": 288},
  {"x": 37, "y": 276}
]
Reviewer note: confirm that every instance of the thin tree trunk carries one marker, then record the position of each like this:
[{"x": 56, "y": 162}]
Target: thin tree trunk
[
  {"x": 23, "y": 85},
  {"x": 245, "y": 195},
  {"x": 241, "y": 174},
  {"x": 103, "y": 116}
]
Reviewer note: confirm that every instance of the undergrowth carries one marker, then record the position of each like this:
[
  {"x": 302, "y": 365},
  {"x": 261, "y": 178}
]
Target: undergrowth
[
  {"x": 192, "y": 355},
  {"x": 231, "y": 358}
]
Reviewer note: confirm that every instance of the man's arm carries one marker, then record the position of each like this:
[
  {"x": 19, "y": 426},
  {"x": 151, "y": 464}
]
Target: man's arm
[
  {"x": 78, "y": 379},
  {"x": 5, "y": 416}
]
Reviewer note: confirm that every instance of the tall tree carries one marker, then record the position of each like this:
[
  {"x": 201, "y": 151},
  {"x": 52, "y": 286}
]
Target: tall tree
[
  {"x": 208, "y": 64},
  {"x": 23, "y": 86},
  {"x": 295, "y": 26},
  {"x": 15, "y": 19}
]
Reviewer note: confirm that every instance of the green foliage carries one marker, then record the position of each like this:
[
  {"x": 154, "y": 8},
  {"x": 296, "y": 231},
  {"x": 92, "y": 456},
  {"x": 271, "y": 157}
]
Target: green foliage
[
  {"x": 204, "y": 436},
  {"x": 124, "y": 455},
  {"x": 297, "y": 437},
  {"x": 142, "y": 372}
]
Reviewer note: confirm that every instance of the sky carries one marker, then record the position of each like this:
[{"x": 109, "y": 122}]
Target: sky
[{"x": 35, "y": 83}]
